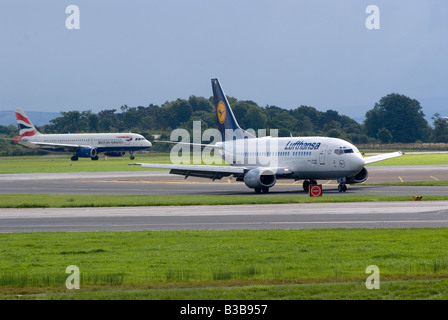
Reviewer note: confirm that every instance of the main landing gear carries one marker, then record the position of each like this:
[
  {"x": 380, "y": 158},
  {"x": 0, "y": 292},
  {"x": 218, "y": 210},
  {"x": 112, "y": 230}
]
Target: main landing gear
[
  {"x": 75, "y": 158},
  {"x": 262, "y": 189},
  {"x": 132, "y": 155},
  {"x": 307, "y": 183}
]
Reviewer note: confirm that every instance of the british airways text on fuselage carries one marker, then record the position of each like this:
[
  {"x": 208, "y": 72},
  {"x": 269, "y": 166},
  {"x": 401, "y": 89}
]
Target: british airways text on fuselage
[{"x": 300, "y": 145}]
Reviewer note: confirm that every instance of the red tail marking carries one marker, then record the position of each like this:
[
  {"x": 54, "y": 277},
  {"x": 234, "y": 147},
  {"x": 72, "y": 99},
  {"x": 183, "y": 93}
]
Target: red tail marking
[
  {"x": 28, "y": 134},
  {"x": 20, "y": 117}
]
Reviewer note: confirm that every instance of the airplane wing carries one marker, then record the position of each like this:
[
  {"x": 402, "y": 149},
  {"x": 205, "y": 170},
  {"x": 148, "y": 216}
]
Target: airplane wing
[
  {"x": 65, "y": 146},
  {"x": 382, "y": 157},
  {"x": 204, "y": 171}
]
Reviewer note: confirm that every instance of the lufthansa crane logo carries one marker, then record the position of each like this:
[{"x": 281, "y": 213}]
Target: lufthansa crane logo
[{"x": 221, "y": 110}]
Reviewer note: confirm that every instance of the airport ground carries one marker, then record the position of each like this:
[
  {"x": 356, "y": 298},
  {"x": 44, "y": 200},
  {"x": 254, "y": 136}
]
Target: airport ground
[
  {"x": 252, "y": 216},
  {"x": 411, "y": 220}
]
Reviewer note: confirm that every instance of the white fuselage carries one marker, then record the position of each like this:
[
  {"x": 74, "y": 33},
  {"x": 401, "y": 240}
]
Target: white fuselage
[
  {"x": 306, "y": 157},
  {"x": 103, "y": 142}
]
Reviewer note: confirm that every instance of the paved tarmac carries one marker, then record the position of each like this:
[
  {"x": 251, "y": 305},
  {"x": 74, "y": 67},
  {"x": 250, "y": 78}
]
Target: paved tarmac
[
  {"x": 297, "y": 216},
  {"x": 161, "y": 182},
  {"x": 272, "y": 216}
]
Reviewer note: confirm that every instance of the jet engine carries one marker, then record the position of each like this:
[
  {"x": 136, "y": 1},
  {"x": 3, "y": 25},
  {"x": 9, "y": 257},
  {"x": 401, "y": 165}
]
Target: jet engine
[
  {"x": 260, "y": 179},
  {"x": 361, "y": 176},
  {"x": 87, "y": 152}
]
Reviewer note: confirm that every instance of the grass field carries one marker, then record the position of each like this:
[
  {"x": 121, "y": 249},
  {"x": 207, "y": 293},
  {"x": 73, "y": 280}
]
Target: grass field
[
  {"x": 415, "y": 160},
  {"x": 243, "y": 264},
  {"x": 61, "y": 201},
  {"x": 62, "y": 163}
]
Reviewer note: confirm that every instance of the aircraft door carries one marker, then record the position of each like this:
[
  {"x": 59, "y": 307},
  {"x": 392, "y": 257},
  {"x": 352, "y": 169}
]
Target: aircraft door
[{"x": 322, "y": 152}]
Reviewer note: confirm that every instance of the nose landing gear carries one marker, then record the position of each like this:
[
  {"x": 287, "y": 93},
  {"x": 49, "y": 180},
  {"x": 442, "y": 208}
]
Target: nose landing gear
[{"x": 342, "y": 187}]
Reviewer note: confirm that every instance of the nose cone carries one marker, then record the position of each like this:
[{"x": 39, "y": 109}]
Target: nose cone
[
  {"x": 148, "y": 144},
  {"x": 358, "y": 162}
]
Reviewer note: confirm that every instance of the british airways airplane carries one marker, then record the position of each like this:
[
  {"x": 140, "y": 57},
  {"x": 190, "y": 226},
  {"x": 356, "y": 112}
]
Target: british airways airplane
[
  {"x": 86, "y": 145},
  {"x": 260, "y": 162}
]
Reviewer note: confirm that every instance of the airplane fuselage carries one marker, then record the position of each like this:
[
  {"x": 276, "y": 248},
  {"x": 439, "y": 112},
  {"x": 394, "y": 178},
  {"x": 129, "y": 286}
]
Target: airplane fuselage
[
  {"x": 103, "y": 142},
  {"x": 305, "y": 157}
]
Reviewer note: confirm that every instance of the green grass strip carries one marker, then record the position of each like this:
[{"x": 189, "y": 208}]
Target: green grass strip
[
  {"x": 62, "y": 163},
  {"x": 228, "y": 264},
  {"x": 61, "y": 201},
  {"x": 432, "y": 183},
  {"x": 415, "y": 159}
]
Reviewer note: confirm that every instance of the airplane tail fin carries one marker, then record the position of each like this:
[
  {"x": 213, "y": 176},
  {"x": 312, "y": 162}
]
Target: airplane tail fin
[
  {"x": 26, "y": 127},
  {"x": 227, "y": 123}
]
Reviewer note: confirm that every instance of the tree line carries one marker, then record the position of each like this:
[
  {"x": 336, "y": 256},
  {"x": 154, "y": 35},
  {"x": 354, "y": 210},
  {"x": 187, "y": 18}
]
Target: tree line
[{"x": 395, "y": 118}]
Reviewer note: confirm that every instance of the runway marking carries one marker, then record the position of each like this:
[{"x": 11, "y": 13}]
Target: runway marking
[
  {"x": 400, "y": 179},
  {"x": 434, "y": 178}
]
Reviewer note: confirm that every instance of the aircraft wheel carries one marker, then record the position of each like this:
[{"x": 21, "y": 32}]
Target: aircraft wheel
[
  {"x": 74, "y": 158},
  {"x": 342, "y": 187},
  {"x": 306, "y": 185},
  {"x": 132, "y": 157},
  {"x": 257, "y": 190},
  {"x": 265, "y": 189},
  {"x": 94, "y": 158}
]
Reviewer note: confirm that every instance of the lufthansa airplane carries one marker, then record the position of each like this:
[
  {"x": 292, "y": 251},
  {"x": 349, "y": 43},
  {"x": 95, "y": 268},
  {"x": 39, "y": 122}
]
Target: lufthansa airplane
[
  {"x": 260, "y": 162},
  {"x": 86, "y": 145}
]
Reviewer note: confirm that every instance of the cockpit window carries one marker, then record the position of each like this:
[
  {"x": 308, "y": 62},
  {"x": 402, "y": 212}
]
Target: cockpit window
[{"x": 342, "y": 151}]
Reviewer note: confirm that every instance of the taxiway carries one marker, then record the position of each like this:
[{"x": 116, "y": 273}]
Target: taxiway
[{"x": 287, "y": 216}]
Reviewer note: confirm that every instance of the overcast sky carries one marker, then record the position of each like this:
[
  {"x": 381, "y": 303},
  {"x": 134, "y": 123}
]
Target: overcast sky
[{"x": 278, "y": 52}]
